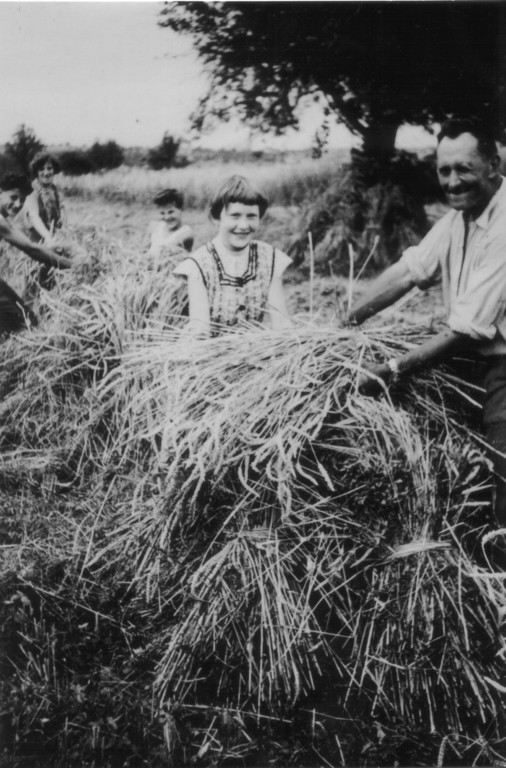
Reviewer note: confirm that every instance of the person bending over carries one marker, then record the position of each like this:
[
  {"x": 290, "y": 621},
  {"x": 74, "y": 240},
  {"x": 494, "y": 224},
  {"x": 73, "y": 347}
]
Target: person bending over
[{"x": 14, "y": 313}]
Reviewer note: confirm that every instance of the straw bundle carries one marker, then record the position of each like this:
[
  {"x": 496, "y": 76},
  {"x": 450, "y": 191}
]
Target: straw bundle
[
  {"x": 285, "y": 529},
  {"x": 276, "y": 538}
]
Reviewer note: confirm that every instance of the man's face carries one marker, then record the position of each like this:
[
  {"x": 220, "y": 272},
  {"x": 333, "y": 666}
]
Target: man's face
[
  {"x": 10, "y": 201},
  {"x": 468, "y": 179}
]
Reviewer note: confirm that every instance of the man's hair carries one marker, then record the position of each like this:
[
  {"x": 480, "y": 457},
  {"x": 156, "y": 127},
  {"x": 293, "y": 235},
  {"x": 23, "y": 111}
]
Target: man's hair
[
  {"x": 455, "y": 126},
  {"x": 10, "y": 181},
  {"x": 237, "y": 189},
  {"x": 169, "y": 197},
  {"x": 40, "y": 159}
]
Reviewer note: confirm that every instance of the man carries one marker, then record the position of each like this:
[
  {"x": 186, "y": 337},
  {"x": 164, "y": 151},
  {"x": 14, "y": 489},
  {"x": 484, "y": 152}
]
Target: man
[
  {"x": 466, "y": 252},
  {"x": 14, "y": 314}
]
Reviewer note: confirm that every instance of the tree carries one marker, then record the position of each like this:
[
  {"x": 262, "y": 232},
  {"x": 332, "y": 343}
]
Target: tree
[
  {"x": 105, "y": 156},
  {"x": 376, "y": 65},
  {"x": 75, "y": 162},
  {"x": 22, "y": 149},
  {"x": 164, "y": 155}
]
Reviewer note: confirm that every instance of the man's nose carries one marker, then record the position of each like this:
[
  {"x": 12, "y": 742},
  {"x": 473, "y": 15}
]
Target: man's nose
[{"x": 453, "y": 180}]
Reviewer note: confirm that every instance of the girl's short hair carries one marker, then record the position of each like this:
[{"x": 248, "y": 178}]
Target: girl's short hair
[
  {"x": 40, "y": 159},
  {"x": 169, "y": 197},
  {"x": 237, "y": 189}
]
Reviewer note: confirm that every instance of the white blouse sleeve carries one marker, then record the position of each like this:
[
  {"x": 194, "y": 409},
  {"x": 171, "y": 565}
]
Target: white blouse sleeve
[
  {"x": 281, "y": 262},
  {"x": 187, "y": 268}
]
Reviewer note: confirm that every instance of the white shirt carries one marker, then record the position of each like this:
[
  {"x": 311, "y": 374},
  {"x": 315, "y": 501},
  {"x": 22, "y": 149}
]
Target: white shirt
[
  {"x": 472, "y": 271},
  {"x": 164, "y": 238}
]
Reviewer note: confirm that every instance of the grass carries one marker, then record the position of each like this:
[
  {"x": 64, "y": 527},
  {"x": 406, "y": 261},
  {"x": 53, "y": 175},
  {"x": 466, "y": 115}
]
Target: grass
[
  {"x": 220, "y": 549},
  {"x": 284, "y": 183}
]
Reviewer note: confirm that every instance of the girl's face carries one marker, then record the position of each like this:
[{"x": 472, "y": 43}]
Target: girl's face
[
  {"x": 237, "y": 225},
  {"x": 46, "y": 173},
  {"x": 171, "y": 215}
]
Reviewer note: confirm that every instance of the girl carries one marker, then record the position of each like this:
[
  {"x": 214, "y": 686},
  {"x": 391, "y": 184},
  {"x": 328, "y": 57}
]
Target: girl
[
  {"x": 41, "y": 213},
  {"x": 169, "y": 234},
  {"x": 235, "y": 278}
]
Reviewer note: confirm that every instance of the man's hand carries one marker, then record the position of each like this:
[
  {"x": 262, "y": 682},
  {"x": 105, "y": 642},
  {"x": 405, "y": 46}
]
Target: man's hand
[
  {"x": 373, "y": 379},
  {"x": 62, "y": 250}
]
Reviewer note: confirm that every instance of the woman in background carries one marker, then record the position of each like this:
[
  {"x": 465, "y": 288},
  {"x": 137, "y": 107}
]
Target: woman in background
[{"x": 41, "y": 216}]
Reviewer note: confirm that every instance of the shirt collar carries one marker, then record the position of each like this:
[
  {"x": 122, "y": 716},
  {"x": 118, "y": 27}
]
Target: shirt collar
[{"x": 484, "y": 217}]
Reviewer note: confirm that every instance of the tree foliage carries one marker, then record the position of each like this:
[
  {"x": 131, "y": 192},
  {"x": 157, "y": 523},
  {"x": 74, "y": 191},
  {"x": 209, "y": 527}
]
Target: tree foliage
[
  {"x": 22, "y": 148},
  {"x": 165, "y": 154},
  {"x": 105, "y": 156},
  {"x": 75, "y": 162},
  {"x": 99, "y": 157},
  {"x": 377, "y": 65}
]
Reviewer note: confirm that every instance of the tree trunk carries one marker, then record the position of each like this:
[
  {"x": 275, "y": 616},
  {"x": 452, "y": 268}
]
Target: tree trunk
[
  {"x": 379, "y": 139},
  {"x": 373, "y": 161}
]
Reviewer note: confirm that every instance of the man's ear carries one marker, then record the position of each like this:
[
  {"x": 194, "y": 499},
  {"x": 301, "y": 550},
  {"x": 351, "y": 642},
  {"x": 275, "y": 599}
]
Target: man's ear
[{"x": 495, "y": 164}]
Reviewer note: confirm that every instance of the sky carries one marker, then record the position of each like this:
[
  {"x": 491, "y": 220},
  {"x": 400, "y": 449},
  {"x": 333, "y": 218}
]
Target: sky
[{"x": 80, "y": 72}]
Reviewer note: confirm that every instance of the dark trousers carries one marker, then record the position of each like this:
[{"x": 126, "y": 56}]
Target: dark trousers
[
  {"x": 495, "y": 435},
  {"x": 14, "y": 314},
  {"x": 489, "y": 373},
  {"x": 494, "y": 428}
]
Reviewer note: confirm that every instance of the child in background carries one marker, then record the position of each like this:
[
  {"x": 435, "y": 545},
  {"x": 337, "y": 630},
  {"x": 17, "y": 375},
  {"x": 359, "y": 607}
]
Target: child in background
[
  {"x": 169, "y": 234},
  {"x": 235, "y": 278},
  {"x": 41, "y": 215}
]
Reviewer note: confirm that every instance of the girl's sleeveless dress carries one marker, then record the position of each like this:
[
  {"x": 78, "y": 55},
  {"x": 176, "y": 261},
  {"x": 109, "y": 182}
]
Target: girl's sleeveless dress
[{"x": 233, "y": 300}]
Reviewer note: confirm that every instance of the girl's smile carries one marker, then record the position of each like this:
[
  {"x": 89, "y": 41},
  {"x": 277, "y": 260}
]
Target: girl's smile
[{"x": 237, "y": 225}]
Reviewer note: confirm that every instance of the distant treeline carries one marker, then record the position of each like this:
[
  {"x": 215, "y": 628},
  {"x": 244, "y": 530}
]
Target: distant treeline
[{"x": 16, "y": 155}]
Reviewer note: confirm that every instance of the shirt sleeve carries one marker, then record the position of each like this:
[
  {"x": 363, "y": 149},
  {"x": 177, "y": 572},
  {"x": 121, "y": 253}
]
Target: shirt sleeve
[
  {"x": 424, "y": 260},
  {"x": 189, "y": 268},
  {"x": 185, "y": 269},
  {"x": 477, "y": 311}
]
